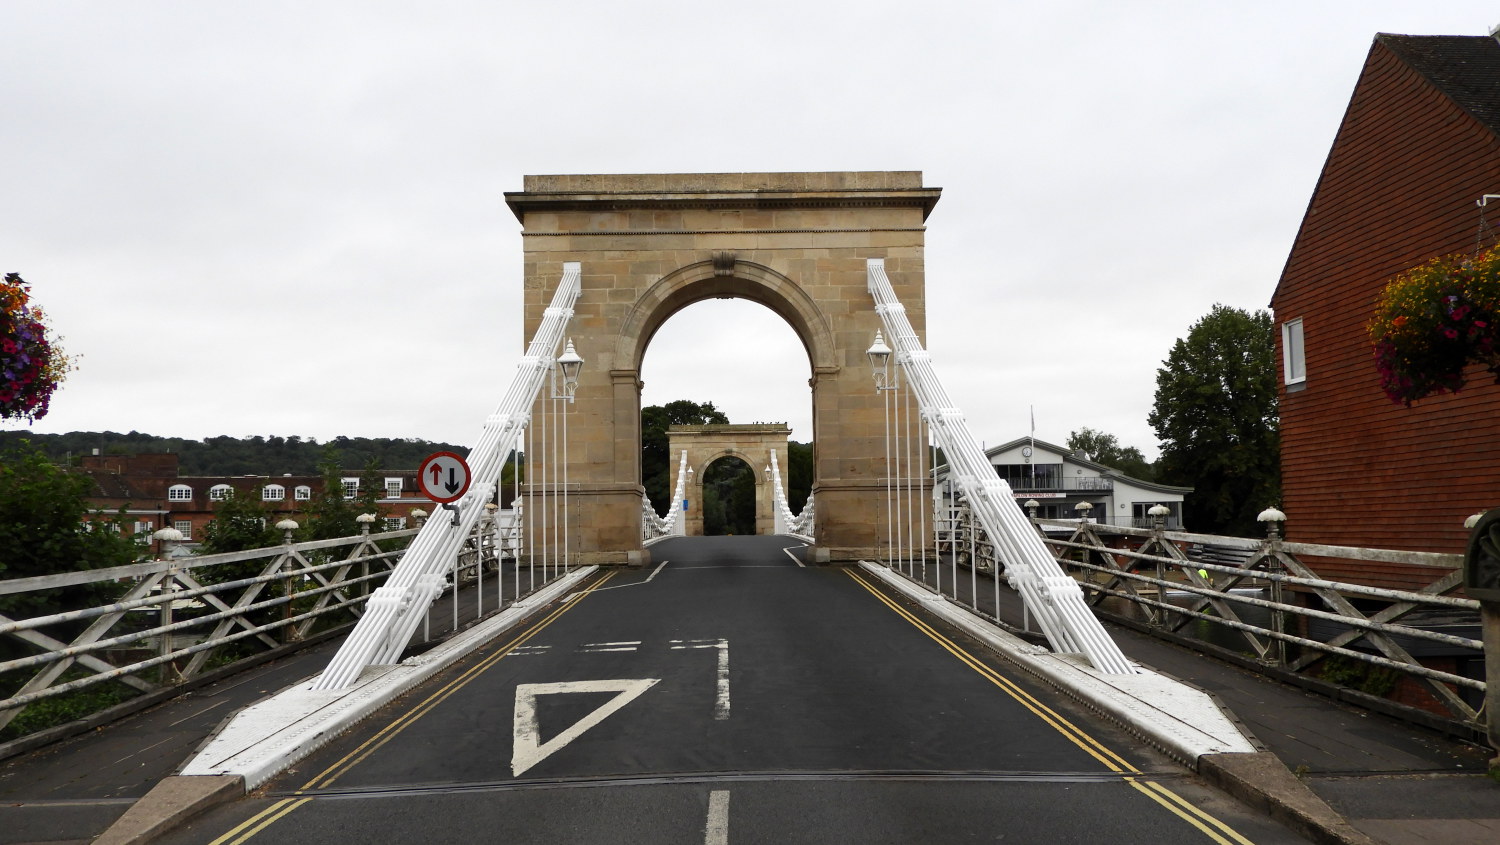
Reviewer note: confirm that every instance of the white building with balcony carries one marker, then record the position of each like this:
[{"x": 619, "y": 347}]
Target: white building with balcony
[{"x": 1059, "y": 480}]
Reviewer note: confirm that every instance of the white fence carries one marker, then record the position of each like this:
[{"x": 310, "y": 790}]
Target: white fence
[{"x": 1257, "y": 598}]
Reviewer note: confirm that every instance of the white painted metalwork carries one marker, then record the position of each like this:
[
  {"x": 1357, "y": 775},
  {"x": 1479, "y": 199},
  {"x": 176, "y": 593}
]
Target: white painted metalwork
[
  {"x": 396, "y": 609},
  {"x": 1050, "y": 594},
  {"x": 655, "y": 527},
  {"x": 173, "y": 615},
  {"x": 800, "y": 525}
]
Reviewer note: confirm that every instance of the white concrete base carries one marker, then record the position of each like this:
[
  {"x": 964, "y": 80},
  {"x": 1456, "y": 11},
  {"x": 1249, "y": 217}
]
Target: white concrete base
[
  {"x": 269, "y": 736},
  {"x": 1179, "y": 719}
]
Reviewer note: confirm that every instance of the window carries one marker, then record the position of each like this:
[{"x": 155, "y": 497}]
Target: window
[
  {"x": 1293, "y": 362},
  {"x": 272, "y": 493},
  {"x": 220, "y": 492},
  {"x": 351, "y": 487},
  {"x": 304, "y": 493},
  {"x": 393, "y": 488},
  {"x": 395, "y": 523},
  {"x": 179, "y": 493},
  {"x": 185, "y": 526}
]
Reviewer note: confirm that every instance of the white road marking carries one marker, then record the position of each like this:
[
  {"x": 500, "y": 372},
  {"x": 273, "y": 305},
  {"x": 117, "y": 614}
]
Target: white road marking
[
  {"x": 571, "y": 596},
  {"x": 524, "y": 650},
  {"x": 788, "y": 552},
  {"x": 527, "y": 751},
  {"x": 721, "y": 695},
  {"x": 624, "y": 646},
  {"x": 199, "y": 713},
  {"x": 716, "y": 831}
]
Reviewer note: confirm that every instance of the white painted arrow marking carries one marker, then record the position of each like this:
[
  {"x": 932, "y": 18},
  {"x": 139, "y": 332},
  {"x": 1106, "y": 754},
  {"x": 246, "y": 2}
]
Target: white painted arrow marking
[{"x": 527, "y": 751}]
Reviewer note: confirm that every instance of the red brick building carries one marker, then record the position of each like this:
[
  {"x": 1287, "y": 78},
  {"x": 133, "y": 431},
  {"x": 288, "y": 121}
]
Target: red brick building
[
  {"x": 154, "y": 496},
  {"x": 1418, "y": 147}
]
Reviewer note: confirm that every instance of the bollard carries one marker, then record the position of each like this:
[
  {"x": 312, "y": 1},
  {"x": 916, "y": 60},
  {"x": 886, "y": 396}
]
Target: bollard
[{"x": 1482, "y": 582}]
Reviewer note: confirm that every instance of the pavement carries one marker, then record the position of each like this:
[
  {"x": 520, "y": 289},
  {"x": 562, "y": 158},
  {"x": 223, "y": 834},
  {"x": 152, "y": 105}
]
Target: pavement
[{"x": 1383, "y": 780}]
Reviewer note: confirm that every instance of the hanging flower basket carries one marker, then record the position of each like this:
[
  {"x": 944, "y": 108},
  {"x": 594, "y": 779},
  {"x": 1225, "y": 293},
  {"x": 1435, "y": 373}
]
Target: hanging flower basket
[
  {"x": 32, "y": 364},
  {"x": 1433, "y": 321}
]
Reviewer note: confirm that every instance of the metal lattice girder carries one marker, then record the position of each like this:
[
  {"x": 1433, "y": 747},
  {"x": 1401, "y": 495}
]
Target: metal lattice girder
[
  {"x": 1053, "y": 598},
  {"x": 395, "y": 609}
]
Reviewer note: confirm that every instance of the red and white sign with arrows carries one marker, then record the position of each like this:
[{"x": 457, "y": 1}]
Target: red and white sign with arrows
[{"x": 444, "y": 477}]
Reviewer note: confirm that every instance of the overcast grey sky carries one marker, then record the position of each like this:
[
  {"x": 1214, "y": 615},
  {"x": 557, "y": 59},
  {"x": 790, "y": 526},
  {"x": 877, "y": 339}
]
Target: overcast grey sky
[{"x": 286, "y": 217}]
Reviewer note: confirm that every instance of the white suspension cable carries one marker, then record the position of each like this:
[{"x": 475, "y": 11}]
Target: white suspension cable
[
  {"x": 395, "y": 609},
  {"x": 1053, "y": 597}
]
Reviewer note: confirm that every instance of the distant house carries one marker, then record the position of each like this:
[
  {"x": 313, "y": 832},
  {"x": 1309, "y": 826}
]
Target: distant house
[
  {"x": 1418, "y": 147},
  {"x": 1059, "y": 480},
  {"x": 154, "y": 496}
]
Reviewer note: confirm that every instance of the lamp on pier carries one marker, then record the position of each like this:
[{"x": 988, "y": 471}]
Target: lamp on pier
[
  {"x": 571, "y": 364},
  {"x": 880, "y": 362}
]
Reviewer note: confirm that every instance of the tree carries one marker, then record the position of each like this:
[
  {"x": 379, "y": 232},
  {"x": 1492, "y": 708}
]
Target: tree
[
  {"x": 46, "y": 527},
  {"x": 729, "y": 498},
  {"x": 241, "y": 521},
  {"x": 656, "y": 465},
  {"x": 1105, "y": 449},
  {"x": 799, "y": 474},
  {"x": 330, "y": 513},
  {"x": 1216, "y": 417}
]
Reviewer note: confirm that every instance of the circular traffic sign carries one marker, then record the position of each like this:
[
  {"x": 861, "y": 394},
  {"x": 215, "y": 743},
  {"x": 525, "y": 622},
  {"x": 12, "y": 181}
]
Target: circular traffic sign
[{"x": 444, "y": 477}]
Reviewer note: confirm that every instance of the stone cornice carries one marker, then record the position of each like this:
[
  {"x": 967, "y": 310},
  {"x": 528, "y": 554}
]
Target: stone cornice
[
  {"x": 733, "y": 198},
  {"x": 652, "y": 232}
]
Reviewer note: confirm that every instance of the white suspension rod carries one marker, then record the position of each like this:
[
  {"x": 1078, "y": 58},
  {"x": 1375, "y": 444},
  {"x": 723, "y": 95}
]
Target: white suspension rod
[
  {"x": 395, "y": 609},
  {"x": 1053, "y": 597}
]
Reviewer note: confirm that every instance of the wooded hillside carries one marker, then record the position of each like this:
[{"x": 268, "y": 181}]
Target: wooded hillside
[{"x": 225, "y": 455}]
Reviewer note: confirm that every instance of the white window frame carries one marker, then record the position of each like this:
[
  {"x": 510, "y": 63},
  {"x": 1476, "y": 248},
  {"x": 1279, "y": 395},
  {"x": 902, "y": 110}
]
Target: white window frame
[
  {"x": 351, "y": 487},
  {"x": 303, "y": 493},
  {"x": 220, "y": 492},
  {"x": 393, "y": 488},
  {"x": 185, "y": 526},
  {"x": 179, "y": 493},
  {"x": 1293, "y": 352},
  {"x": 273, "y": 493},
  {"x": 395, "y": 523}
]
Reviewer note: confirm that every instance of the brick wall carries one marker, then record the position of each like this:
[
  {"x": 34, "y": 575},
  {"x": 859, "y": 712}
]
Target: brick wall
[{"x": 1399, "y": 187}]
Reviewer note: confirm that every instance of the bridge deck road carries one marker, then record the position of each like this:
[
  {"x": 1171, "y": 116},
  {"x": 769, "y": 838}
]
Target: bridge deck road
[{"x": 729, "y": 694}]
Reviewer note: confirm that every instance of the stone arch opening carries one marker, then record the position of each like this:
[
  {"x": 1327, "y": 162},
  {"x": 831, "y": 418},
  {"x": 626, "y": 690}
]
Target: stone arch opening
[
  {"x": 729, "y": 497},
  {"x": 708, "y": 445},
  {"x": 649, "y": 245}
]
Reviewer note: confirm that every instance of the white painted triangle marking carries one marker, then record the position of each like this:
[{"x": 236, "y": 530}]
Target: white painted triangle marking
[{"x": 527, "y": 752}]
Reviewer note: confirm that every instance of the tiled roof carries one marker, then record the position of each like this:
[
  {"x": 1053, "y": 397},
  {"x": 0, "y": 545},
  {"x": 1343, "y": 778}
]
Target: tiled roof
[{"x": 1466, "y": 68}]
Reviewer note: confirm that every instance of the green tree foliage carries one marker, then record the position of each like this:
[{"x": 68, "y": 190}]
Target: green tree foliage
[
  {"x": 657, "y": 467},
  {"x": 798, "y": 474},
  {"x": 224, "y": 455},
  {"x": 1216, "y": 417},
  {"x": 330, "y": 514},
  {"x": 43, "y": 510},
  {"x": 729, "y": 498},
  {"x": 242, "y": 521},
  {"x": 1102, "y": 448}
]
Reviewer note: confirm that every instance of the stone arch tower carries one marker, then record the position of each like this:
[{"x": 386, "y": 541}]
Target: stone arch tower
[
  {"x": 752, "y": 443},
  {"x": 650, "y": 245}
]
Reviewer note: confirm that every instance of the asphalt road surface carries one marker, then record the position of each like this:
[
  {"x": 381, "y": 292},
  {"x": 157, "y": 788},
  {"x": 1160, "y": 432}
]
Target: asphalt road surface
[{"x": 728, "y": 694}]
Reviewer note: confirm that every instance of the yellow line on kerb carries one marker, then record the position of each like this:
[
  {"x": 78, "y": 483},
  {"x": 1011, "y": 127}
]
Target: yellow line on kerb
[
  {"x": 260, "y": 821},
  {"x": 1212, "y": 827}
]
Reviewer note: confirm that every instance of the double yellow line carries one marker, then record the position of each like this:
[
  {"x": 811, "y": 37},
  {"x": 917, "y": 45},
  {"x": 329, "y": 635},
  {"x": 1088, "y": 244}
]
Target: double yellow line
[
  {"x": 1215, "y": 829},
  {"x": 265, "y": 818}
]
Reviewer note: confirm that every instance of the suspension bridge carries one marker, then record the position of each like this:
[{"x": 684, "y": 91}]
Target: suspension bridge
[{"x": 572, "y": 666}]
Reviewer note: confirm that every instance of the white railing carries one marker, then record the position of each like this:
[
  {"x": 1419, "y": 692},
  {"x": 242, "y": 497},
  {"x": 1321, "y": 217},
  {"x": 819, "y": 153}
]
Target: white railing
[
  {"x": 170, "y": 621},
  {"x": 1267, "y": 605},
  {"x": 396, "y": 608},
  {"x": 1051, "y": 596},
  {"x": 801, "y": 525},
  {"x": 655, "y": 527}
]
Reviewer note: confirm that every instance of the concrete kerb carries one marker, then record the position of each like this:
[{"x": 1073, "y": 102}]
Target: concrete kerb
[
  {"x": 1179, "y": 719},
  {"x": 266, "y": 738}
]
